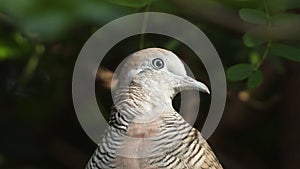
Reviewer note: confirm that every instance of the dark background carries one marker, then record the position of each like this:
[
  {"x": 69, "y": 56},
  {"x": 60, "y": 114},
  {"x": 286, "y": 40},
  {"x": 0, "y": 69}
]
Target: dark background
[{"x": 41, "y": 39}]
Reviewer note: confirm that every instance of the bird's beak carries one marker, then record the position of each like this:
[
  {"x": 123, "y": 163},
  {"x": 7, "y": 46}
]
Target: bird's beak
[{"x": 188, "y": 83}]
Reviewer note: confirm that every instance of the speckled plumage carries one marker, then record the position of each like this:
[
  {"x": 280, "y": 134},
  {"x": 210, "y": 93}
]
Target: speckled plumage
[{"x": 145, "y": 131}]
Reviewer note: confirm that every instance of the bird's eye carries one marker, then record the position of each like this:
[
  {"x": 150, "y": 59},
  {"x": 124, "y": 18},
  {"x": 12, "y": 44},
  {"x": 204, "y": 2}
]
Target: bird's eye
[{"x": 158, "y": 63}]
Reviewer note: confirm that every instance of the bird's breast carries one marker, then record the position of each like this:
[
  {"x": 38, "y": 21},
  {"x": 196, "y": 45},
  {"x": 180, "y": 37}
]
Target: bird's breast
[{"x": 138, "y": 145}]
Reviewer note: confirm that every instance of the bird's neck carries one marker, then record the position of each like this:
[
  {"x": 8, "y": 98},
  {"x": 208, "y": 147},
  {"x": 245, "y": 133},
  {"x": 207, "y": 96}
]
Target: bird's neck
[{"x": 144, "y": 104}]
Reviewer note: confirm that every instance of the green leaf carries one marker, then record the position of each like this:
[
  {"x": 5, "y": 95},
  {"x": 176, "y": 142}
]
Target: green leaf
[
  {"x": 286, "y": 51},
  {"x": 253, "y": 16},
  {"x": 255, "y": 79},
  {"x": 30, "y": 68},
  {"x": 254, "y": 58},
  {"x": 239, "y": 72},
  {"x": 6, "y": 52},
  {"x": 251, "y": 41},
  {"x": 130, "y": 3}
]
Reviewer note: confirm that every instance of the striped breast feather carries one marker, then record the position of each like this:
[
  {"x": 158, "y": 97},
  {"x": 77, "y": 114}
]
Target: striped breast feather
[
  {"x": 192, "y": 153},
  {"x": 183, "y": 146},
  {"x": 200, "y": 155}
]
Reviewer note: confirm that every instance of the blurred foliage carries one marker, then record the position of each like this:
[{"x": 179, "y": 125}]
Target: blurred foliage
[
  {"x": 267, "y": 18},
  {"x": 40, "y": 40}
]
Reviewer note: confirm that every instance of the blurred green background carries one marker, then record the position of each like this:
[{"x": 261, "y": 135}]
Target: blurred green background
[{"x": 257, "y": 40}]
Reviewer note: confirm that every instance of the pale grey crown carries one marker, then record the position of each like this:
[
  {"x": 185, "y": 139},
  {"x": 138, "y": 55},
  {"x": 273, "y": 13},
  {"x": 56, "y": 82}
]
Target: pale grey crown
[{"x": 143, "y": 58}]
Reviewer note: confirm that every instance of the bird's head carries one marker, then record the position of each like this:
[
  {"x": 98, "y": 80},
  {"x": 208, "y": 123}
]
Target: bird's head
[{"x": 159, "y": 71}]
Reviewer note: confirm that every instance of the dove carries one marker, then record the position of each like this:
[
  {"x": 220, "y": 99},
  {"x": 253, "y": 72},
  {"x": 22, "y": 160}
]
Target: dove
[{"x": 145, "y": 131}]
